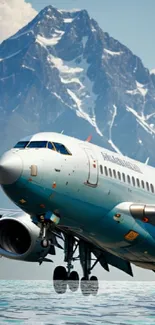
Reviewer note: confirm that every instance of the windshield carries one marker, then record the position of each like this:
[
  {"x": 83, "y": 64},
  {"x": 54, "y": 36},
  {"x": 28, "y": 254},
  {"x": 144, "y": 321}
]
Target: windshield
[
  {"x": 37, "y": 144},
  {"x": 21, "y": 144},
  {"x": 61, "y": 148},
  {"x": 58, "y": 147}
]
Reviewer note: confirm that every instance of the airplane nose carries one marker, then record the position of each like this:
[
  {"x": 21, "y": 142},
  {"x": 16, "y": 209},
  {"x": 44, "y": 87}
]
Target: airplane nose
[{"x": 10, "y": 168}]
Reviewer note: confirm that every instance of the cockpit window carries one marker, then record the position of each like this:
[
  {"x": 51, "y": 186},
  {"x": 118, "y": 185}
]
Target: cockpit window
[
  {"x": 58, "y": 147},
  {"x": 21, "y": 144},
  {"x": 61, "y": 148},
  {"x": 37, "y": 144},
  {"x": 51, "y": 146}
]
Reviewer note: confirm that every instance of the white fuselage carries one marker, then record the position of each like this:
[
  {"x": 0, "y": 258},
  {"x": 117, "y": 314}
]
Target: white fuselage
[{"x": 82, "y": 188}]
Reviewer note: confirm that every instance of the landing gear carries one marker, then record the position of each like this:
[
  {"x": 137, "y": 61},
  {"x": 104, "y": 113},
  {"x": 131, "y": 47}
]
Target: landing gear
[
  {"x": 73, "y": 281},
  {"x": 60, "y": 279},
  {"x": 45, "y": 243},
  {"x": 45, "y": 224},
  {"x": 94, "y": 285},
  {"x": 89, "y": 285},
  {"x": 84, "y": 286},
  {"x": 66, "y": 276}
]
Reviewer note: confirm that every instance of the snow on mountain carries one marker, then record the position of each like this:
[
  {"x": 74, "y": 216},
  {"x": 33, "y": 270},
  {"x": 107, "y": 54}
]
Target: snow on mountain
[
  {"x": 112, "y": 52},
  {"x": 49, "y": 41},
  {"x": 152, "y": 71},
  {"x": 62, "y": 72}
]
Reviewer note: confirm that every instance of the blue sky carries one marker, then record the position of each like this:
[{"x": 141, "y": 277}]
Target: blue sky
[{"x": 131, "y": 22}]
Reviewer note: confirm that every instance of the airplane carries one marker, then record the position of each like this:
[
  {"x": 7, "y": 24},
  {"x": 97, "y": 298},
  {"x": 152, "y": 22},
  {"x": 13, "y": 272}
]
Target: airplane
[{"x": 98, "y": 203}]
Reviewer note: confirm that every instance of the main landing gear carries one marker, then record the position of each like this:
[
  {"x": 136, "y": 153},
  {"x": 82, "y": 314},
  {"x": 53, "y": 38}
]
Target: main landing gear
[{"x": 63, "y": 277}]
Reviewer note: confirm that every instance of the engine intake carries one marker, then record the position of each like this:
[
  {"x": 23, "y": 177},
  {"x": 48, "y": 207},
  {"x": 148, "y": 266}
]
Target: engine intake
[{"x": 14, "y": 237}]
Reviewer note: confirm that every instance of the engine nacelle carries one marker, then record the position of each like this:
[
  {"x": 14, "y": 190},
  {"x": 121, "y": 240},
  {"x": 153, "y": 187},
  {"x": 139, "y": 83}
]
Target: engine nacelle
[
  {"x": 140, "y": 211},
  {"x": 19, "y": 238}
]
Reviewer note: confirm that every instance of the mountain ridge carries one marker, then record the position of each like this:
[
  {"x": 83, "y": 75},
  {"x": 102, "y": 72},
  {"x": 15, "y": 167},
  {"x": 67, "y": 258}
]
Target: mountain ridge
[{"x": 62, "y": 72}]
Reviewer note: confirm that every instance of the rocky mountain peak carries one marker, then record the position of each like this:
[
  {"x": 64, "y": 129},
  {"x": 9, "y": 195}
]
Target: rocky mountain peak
[{"x": 61, "y": 72}]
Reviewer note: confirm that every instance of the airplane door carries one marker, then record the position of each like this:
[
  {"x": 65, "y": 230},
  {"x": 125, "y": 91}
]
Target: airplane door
[{"x": 93, "y": 168}]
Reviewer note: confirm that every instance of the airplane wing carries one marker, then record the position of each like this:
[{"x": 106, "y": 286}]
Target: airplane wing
[{"x": 106, "y": 259}]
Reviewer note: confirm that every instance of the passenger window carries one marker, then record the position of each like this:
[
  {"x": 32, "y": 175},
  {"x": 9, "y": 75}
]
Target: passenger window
[
  {"x": 101, "y": 169},
  {"x": 143, "y": 185},
  {"x": 138, "y": 182},
  {"x": 114, "y": 173},
  {"x": 119, "y": 176},
  {"x": 128, "y": 178},
  {"x": 123, "y": 175},
  {"x": 105, "y": 171},
  {"x": 110, "y": 172},
  {"x": 61, "y": 148},
  {"x": 147, "y": 186},
  {"x": 152, "y": 188},
  {"x": 133, "y": 181}
]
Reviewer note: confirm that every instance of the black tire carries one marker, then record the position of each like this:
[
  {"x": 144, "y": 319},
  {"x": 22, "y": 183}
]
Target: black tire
[
  {"x": 84, "y": 285},
  {"x": 60, "y": 280},
  {"x": 94, "y": 285},
  {"x": 73, "y": 281}
]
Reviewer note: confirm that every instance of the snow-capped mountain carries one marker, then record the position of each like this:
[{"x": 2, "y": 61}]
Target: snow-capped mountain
[{"x": 61, "y": 72}]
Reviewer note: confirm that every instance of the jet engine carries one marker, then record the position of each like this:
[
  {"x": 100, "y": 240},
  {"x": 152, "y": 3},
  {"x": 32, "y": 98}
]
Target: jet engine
[
  {"x": 19, "y": 238},
  {"x": 140, "y": 211}
]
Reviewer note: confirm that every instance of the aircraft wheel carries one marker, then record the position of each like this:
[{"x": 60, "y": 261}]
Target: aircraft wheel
[
  {"x": 84, "y": 285},
  {"x": 45, "y": 243},
  {"x": 94, "y": 285},
  {"x": 73, "y": 281},
  {"x": 60, "y": 280}
]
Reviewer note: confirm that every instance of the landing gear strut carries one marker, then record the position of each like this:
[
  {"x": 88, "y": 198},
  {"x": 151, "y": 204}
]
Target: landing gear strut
[
  {"x": 44, "y": 226},
  {"x": 44, "y": 242},
  {"x": 70, "y": 249}
]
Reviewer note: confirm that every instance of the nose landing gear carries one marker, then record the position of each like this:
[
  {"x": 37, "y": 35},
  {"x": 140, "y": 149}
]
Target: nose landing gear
[
  {"x": 45, "y": 243},
  {"x": 45, "y": 224}
]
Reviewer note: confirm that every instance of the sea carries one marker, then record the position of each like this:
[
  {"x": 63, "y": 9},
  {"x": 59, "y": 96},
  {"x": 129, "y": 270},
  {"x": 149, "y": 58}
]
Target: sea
[{"x": 35, "y": 302}]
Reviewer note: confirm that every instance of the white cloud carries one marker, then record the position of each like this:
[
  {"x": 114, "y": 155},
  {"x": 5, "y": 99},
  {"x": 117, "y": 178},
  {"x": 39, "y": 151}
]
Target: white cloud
[{"x": 14, "y": 14}]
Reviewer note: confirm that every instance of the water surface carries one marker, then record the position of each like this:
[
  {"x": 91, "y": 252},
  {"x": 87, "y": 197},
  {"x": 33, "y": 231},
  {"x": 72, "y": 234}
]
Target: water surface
[{"x": 35, "y": 302}]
